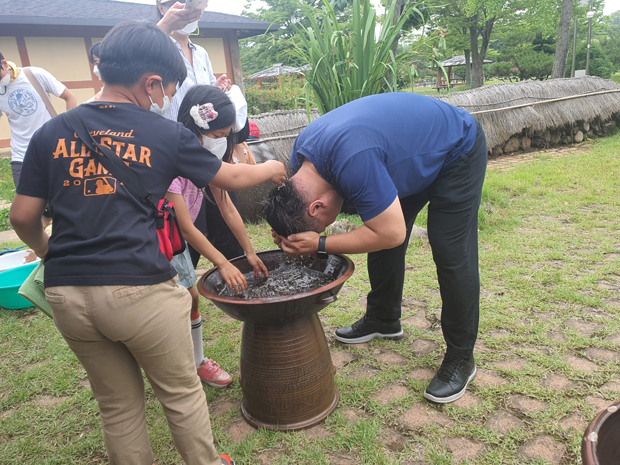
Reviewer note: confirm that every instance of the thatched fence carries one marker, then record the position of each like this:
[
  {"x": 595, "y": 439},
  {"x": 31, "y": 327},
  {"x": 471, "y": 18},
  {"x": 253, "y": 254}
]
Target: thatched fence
[
  {"x": 542, "y": 113},
  {"x": 515, "y": 116},
  {"x": 545, "y": 112},
  {"x": 278, "y": 131}
]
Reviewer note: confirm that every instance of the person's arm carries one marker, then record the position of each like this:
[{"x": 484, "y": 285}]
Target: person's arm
[
  {"x": 235, "y": 223},
  {"x": 69, "y": 99},
  {"x": 385, "y": 231},
  {"x": 25, "y": 218},
  {"x": 177, "y": 17},
  {"x": 241, "y": 176},
  {"x": 231, "y": 275}
]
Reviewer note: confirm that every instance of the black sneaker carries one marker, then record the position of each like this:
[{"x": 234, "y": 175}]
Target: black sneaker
[
  {"x": 451, "y": 380},
  {"x": 368, "y": 328}
]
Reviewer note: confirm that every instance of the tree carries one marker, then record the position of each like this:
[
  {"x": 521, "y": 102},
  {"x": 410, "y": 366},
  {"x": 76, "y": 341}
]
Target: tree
[
  {"x": 561, "y": 50},
  {"x": 261, "y": 52},
  {"x": 600, "y": 65},
  {"x": 480, "y": 28},
  {"x": 470, "y": 25},
  {"x": 611, "y": 41}
]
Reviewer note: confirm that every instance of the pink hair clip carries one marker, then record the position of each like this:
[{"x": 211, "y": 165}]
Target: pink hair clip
[{"x": 203, "y": 114}]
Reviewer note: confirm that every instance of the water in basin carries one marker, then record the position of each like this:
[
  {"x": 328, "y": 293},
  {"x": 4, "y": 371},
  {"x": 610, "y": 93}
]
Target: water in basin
[{"x": 291, "y": 277}]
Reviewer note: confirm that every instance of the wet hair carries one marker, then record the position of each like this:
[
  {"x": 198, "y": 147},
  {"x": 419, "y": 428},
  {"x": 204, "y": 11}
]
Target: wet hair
[
  {"x": 199, "y": 95},
  {"x": 285, "y": 211},
  {"x": 164, "y": 2},
  {"x": 95, "y": 51},
  {"x": 133, "y": 48}
]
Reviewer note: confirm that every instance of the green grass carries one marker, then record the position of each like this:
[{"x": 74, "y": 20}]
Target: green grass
[
  {"x": 548, "y": 234},
  {"x": 7, "y": 191},
  {"x": 7, "y": 188}
]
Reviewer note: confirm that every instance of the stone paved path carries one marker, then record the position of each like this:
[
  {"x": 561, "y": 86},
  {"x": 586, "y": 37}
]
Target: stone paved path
[
  {"x": 506, "y": 162},
  {"x": 542, "y": 376}
]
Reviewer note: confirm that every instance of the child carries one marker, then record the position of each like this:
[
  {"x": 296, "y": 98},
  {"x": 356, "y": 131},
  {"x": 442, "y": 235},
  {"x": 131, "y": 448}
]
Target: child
[
  {"x": 209, "y": 114},
  {"x": 114, "y": 296}
]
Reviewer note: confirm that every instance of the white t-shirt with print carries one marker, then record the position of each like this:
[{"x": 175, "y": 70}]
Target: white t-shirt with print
[{"x": 21, "y": 103}]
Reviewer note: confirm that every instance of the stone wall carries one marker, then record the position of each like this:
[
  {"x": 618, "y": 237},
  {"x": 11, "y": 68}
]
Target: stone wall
[{"x": 568, "y": 134}]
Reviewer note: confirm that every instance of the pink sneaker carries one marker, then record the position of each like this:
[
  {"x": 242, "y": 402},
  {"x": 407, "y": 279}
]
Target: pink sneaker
[{"x": 210, "y": 373}]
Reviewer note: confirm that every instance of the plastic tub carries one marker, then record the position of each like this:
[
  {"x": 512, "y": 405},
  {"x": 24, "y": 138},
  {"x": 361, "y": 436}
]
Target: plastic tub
[
  {"x": 14, "y": 259},
  {"x": 10, "y": 282}
]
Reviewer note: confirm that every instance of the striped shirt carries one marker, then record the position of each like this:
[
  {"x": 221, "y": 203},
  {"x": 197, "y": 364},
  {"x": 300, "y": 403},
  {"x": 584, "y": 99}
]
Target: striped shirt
[{"x": 201, "y": 73}]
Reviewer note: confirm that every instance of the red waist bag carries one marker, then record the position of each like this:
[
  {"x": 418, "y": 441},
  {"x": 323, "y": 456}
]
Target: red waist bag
[{"x": 171, "y": 240}]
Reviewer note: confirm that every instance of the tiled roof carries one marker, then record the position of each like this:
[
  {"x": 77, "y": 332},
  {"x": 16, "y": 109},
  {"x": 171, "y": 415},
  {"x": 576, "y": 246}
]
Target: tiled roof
[
  {"x": 276, "y": 70},
  {"x": 108, "y": 13},
  {"x": 458, "y": 60}
]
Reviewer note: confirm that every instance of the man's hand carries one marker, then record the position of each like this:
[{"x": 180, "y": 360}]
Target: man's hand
[
  {"x": 223, "y": 83},
  {"x": 177, "y": 17},
  {"x": 302, "y": 244}
]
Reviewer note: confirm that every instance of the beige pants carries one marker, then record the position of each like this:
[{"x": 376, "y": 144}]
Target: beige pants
[{"x": 115, "y": 330}]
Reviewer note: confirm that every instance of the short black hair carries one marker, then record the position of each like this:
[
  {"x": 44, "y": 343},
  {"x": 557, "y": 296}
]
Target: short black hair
[
  {"x": 285, "y": 211},
  {"x": 1, "y": 56},
  {"x": 95, "y": 51},
  {"x": 134, "y": 48}
]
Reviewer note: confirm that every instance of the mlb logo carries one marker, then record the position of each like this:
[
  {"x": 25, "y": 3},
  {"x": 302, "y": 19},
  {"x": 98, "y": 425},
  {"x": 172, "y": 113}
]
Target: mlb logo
[{"x": 104, "y": 185}]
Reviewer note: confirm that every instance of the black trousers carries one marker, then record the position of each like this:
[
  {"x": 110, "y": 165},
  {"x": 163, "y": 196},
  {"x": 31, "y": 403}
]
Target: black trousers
[
  {"x": 210, "y": 222},
  {"x": 454, "y": 199}
]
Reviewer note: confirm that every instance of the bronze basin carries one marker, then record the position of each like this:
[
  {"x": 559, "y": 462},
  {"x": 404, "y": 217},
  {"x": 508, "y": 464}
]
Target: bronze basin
[{"x": 287, "y": 376}]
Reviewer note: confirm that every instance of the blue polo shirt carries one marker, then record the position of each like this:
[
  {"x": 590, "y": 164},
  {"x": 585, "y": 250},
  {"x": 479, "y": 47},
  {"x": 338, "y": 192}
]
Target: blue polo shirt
[{"x": 379, "y": 147}]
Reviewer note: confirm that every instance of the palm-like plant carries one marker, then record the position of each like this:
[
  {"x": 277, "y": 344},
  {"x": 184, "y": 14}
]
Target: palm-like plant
[{"x": 349, "y": 60}]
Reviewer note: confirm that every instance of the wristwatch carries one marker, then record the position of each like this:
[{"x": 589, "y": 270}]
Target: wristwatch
[{"x": 321, "y": 252}]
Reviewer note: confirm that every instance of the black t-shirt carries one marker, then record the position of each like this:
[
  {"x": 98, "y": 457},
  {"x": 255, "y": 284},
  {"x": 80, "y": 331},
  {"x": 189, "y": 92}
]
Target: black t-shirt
[{"x": 102, "y": 234}]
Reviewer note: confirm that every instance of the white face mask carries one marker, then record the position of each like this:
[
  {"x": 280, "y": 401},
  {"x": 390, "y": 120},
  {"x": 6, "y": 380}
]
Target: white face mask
[
  {"x": 6, "y": 80},
  {"x": 189, "y": 29},
  {"x": 156, "y": 108},
  {"x": 216, "y": 146},
  {"x": 96, "y": 71}
]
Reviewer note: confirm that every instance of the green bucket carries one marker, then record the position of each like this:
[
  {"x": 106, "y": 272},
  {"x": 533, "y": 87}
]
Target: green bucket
[{"x": 10, "y": 282}]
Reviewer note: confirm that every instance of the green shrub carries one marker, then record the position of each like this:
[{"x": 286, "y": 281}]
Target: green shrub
[
  {"x": 265, "y": 101},
  {"x": 7, "y": 188},
  {"x": 600, "y": 65},
  {"x": 533, "y": 65},
  {"x": 615, "y": 77},
  {"x": 5, "y": 224},
  {"x": 501, "y": 70}
]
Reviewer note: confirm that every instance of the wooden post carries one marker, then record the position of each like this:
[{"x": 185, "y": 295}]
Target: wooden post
[
  {"x": 259, "y": 83},
  {"x": 235, "y": 60}
]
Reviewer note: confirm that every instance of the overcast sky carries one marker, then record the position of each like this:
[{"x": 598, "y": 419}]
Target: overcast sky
[{"x": 235, "y": 7}]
